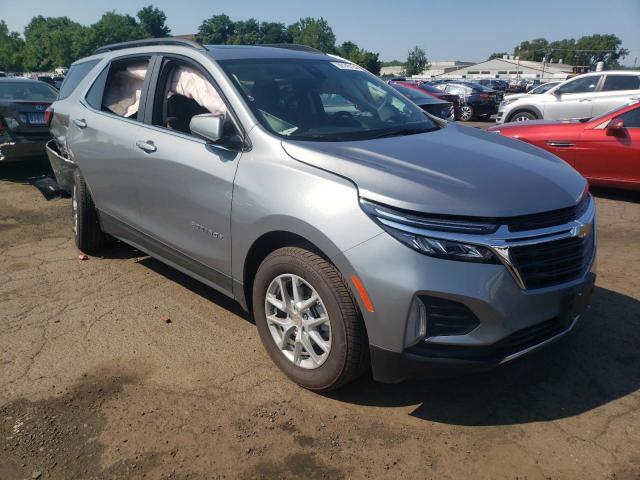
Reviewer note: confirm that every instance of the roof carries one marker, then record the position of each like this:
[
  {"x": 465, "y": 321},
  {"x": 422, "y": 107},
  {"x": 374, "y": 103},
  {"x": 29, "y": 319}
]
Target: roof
[{"x": 237, "y": 52}]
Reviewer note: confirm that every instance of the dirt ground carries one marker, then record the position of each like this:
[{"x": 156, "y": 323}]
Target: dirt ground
[{"x": 95, "y": 383}]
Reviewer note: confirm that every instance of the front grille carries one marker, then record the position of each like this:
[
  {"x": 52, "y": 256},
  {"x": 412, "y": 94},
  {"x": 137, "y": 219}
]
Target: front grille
[
  {"x": 548, "y": 219},
  {"x": 552, "y": 263}
]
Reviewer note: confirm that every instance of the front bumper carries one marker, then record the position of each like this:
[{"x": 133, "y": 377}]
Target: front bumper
[{"x": 512, "y": 320}]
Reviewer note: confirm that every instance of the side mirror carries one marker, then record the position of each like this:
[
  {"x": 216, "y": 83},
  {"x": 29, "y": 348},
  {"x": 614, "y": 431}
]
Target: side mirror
[
  {"x": 208, "y": 126},
  {"x": 557, "y": 92},
  {"x": 615, "y": 128}
]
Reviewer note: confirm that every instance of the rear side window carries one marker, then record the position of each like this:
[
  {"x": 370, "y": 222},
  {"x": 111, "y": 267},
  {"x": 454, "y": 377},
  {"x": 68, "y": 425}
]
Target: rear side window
[
  {"x": 581, "y": 85},
  {"x": 74, "y": 76},
  {"x": 118, "y": 89},
  {"x": 621, "y": 82}
]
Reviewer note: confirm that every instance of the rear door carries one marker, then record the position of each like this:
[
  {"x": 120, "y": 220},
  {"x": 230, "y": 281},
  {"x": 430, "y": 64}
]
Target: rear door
[
  {"x": 574, "y": 99},
  {"x": 612, "y": 159},
  {"x": 616, "y": 90},
  {"x": 186, "y": 190},
  {"x": 103, "y": 129}
]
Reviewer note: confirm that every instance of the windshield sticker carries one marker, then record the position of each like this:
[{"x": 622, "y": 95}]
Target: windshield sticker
[{"x": 347, "y": 66}]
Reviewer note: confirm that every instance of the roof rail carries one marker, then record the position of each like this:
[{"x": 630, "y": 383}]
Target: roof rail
[
  {"x": 292, "y": 46},
  {"x": 150, "y": 42}
]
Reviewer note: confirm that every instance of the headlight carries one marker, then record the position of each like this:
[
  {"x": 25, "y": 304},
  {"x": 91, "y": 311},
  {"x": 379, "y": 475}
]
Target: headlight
[
  {"x": 408, "y": 229},
  {"x": 508, "y": 101}
]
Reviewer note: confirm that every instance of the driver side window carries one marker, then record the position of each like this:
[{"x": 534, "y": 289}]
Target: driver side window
[{"x": 183, "y": 92}]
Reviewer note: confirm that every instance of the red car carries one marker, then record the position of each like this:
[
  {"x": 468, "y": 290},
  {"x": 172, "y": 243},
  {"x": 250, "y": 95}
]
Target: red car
[
  {"x": 434, "y": 92},
  {"x": 605, "y": 149}
]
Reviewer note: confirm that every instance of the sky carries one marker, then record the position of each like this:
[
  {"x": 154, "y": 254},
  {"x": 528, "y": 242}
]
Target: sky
[{"x": 464, "y": 30}]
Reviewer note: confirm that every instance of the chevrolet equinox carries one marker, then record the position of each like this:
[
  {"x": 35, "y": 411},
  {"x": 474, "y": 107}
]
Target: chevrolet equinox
[{"x": 360, "y": 231}]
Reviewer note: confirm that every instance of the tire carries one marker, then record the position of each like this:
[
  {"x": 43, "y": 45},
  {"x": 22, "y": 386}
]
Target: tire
[
  {"x": 88, "y": 235},
  {"x": 466, "y": 112},
  {"x": 348, "y": 354},
  {"x": 523, "y": 116}
]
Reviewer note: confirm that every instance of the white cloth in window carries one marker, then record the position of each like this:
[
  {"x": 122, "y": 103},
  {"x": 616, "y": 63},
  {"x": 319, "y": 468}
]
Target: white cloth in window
[
  {"x": 190, "y": 83},
  {"x": 123, "y": 92}
]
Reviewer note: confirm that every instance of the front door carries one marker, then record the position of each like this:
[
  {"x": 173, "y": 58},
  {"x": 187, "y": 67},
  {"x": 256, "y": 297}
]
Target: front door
[
  {"x": 571, "y": 100},
  {"x": 613, "y": 159},
  {"x": 186, "y": 188}
]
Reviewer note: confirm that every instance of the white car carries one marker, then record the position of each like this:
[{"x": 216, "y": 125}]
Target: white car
[{"x": 584, "y": 96}]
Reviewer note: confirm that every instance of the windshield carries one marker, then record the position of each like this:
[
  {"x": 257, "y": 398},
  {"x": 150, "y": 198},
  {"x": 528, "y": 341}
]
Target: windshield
[
  {"x": 414, "y": 94},
  {"x": 323, "y": 100},
  {"x": 543, "y": 88},
  {"x": 430, "y": 89},
  {"x": 27, "y": 91}
]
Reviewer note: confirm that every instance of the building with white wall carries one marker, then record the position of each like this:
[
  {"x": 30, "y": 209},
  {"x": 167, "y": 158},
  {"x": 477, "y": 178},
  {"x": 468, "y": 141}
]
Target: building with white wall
[{"x": 506, "y": 68}]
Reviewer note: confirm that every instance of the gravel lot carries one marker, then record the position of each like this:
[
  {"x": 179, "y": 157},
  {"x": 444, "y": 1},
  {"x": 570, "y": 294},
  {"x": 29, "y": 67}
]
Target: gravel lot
[{"x": 95, "y": 383}]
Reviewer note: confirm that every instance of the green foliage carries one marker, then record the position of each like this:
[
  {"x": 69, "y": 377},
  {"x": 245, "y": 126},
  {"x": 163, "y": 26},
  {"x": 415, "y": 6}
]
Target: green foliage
[
  {"x": 152, "y": 22},
  {"x": 313, "y": 32},
  {"x": 11, "y": 47},
  {"x": 364, "y": 58},
  {"x": 51, "y": 42},
  {"x": 274, "y": 32},
  {"x": 392, "y": 63},
  {"x": 587, "y": 50},
  {"x": 497, "y": 55},
  {"x": 416, "y": 62},
  {"x": 217, "y": 30}
]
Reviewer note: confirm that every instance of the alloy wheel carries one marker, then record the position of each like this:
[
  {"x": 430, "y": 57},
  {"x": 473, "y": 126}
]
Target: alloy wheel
[
  {"x": 298, "y": 321},
  {"x": 466, "y": 112}
]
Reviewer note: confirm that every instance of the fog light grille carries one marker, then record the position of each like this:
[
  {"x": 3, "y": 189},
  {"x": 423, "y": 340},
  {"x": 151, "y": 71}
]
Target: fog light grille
[{"x": 447, "y": 317}]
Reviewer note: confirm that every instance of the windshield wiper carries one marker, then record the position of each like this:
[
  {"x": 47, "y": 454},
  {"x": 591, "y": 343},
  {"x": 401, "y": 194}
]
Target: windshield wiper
[{"x": 405, "y": 131}]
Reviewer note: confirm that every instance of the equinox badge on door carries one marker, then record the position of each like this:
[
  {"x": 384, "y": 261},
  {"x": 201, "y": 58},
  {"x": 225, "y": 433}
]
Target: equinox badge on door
[{"x": 204, "y": 229}]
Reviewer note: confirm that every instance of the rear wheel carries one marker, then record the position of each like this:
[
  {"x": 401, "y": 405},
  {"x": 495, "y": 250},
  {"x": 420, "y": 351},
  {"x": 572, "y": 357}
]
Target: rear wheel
[
  {"x": 88, "y": 235},
  {"x": 308, "y": 320},
  {"x": 466, "y": 112},
  {"x": 523, "y": 116}
]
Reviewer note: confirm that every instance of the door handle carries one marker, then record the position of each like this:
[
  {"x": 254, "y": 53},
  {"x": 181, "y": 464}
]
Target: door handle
[
  {"x": 584, "y": 100},
  {"x": 560, "y": 143},
  {"x": 147, "y": 146},
  {"x": 80, "y": 122}
]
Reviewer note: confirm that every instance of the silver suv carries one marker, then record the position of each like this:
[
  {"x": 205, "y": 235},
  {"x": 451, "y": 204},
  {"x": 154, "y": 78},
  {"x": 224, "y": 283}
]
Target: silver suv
[
  {"x": 585, "y": 96},
  {"x": 373, "y": 235}
]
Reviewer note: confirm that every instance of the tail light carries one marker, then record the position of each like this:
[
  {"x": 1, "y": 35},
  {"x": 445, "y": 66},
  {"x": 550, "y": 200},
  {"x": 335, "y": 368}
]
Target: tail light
[
  {"x": 487, "y": 95},
  {"x": 48, "y": 116},
  {"x": 3, "y": 126}
]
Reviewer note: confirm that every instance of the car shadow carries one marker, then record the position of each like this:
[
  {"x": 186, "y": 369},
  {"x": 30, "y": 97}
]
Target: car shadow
[
  {"x": 122, "y": 251},
  {"x": 597, "y": 363},
  {"x": 22, "y": 171},
  {"x": 620, "y": 195}
]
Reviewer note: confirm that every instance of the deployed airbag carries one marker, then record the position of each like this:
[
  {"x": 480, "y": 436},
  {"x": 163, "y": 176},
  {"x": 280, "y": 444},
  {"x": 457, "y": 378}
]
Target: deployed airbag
[
  {"x": 191, "y": 84},
  {"x": 123, "y": 93}
]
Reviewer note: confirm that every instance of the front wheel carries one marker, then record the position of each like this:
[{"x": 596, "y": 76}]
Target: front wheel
[
  {"x": 308, "y": 320},
  {"x": 523, "y": 116},
  {"x": 466, "y": 112}
]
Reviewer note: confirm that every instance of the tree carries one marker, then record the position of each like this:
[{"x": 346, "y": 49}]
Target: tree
[
  {"x": 245, "y": 33},
  {"x": 152, "y": 22},
  {"x": 273, "y": 32},
  {"x": 216, "y": 31},
  {"x": 11, "y": 46},
  {"x": 416, "y": 62},
  {"x": 497, "y": 55},
  {"x": 592, "y": 49},
  {"x": 535, "y": 50},
  {"x": 314, "y": 32},
  {"x": 364, "y": 58},
  {"x": 111, "y": 28},
  {"x": 51, "y": 42}
]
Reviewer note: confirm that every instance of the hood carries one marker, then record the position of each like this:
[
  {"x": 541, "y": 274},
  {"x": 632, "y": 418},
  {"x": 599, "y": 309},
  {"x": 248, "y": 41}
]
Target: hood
[{"x": 456, "y": 171}]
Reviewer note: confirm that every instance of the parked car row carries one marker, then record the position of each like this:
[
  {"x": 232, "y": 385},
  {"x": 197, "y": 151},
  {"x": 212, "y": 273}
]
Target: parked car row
[{"x": 584, "y": 96}]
